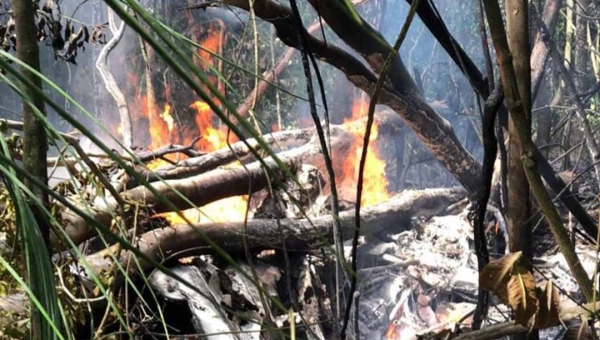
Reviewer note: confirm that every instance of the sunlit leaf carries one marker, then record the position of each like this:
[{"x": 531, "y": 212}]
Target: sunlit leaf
[
  {"x": 495, "y": 273},
  {"x": 513, "y": 284},
  {"x": 522, "y": 296}
]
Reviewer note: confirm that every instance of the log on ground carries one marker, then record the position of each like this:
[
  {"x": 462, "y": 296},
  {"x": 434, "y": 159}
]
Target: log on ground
[
  {"x": 298, "y": 235},
  {"x": 199, "y": 190},
  {"x": 388, "y": 122}
]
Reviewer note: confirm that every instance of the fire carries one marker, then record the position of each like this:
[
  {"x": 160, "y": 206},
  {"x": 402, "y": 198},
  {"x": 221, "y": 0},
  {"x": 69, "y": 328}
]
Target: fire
[
  {"x": 167, "y": 118},
  {"x": 212, "y": 43},
  {"x": 159, "y": 111},
  {"x": 226, "y": 210},
  {"x": 375, "y": 184},
  {"x": 161, "y": 134},
  {"x": 158, "y": 127},
  {"x": 163, "y": 130},
  {"x": 212, "y": 138}
]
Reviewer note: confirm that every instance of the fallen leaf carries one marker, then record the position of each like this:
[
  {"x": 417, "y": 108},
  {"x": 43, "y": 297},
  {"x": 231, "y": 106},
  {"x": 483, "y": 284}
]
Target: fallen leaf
[
  {"x": 549, "y": 307},
  {"x": 513, "y": 284}
]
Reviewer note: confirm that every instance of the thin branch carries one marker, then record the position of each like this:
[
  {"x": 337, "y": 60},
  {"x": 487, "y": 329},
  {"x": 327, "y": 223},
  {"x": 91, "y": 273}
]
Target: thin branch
[
  {"x": 268, "y": 78},
  {"x": 111, "y": 83},
  {"x": 363, "y": 158},
  {"x": 188, "y": 150},
  {"x": 303, "y": 46},
  {"x": 490, "y": 144}
]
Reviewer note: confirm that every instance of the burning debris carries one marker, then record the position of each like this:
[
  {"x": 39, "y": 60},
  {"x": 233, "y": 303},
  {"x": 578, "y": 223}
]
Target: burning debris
[
  {"x": 166, "y": 128},
  {"x": 236, "y": 236}
]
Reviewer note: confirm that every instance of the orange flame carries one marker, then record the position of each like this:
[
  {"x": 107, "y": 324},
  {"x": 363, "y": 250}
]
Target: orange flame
[
  {"x": 210, "y": 44},
  {"x": 375, "y": 184},
  {"x": 161, "y": 133},
  {"x": 158, "y": 128},
  {"x": 163, "y": 130},
  {"x": 167, "y": 118}
]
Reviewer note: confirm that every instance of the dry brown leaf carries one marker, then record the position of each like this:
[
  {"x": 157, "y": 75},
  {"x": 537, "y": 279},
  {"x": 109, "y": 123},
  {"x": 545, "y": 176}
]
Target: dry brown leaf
[
  {"x": 522, "y": 296},
  {"x": 513, "y": 284},
  {"x": 496, "y": 275},
  {"x": 549, "y": 307}
]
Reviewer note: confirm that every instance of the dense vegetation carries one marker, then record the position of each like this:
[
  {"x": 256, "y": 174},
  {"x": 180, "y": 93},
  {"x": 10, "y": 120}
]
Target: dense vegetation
[{"x": 120, "y": 119}]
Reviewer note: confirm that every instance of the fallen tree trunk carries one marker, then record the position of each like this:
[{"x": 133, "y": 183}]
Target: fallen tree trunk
[
  {"x": 197, "y": 190},
  {"x": 388, "y": 122},
  {"x": 192, "y": 183},
  {"x": 298, "y": 235},
  {"x": 202, "y": 188},
  {"x": 196, "y": 165}
]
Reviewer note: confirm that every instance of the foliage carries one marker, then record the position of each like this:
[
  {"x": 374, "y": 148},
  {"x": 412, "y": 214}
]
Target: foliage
[
  {"x": 515, "y": 286},
  {"x": 174, "y": 43},
  {"x": 70, "y": 313},
  {"x": 58, "y": 31}
]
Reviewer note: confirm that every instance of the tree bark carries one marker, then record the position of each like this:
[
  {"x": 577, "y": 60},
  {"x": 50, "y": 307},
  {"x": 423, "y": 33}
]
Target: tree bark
[
  {"x": 34, "y": 135},
  {"x": 298, "y": 235},
  {"x": 35, "y": 144},
  {"x": 519, "y": 202},
  {"x": 519, "y": 206},
  {"x": 400, "y": 94}
]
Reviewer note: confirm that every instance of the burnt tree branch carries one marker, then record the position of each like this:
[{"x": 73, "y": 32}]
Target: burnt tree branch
[
  {"x": 387, "y": 121},
  {"x": 434, "y": 131},
  {"x": 298, "y": 235},
  {"x": 184, "y": 194},
  {"x": 490, "y": 145}
]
